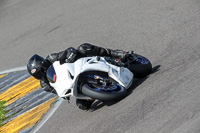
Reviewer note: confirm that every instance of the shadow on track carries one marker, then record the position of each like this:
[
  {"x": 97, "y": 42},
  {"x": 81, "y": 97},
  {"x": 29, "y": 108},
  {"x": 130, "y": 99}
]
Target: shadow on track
[
  {"x": 155, "y": 69},
  {"x": 136, "y": 82}
]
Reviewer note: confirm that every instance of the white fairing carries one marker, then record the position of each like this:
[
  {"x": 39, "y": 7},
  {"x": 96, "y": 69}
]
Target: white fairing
[{"x": 67, "y": 74}]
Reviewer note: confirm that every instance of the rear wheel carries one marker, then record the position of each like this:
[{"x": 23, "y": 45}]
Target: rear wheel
[
  {"x": 141, "y": 67},
  {"x": 113, "y": 91}
]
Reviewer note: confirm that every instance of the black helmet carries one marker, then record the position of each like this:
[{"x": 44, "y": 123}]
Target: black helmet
[{"x": 37, "y": 66}]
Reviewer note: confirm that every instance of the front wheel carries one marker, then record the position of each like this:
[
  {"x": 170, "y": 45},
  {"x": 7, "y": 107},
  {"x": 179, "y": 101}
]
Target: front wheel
[{"x": 113, "y": 91}]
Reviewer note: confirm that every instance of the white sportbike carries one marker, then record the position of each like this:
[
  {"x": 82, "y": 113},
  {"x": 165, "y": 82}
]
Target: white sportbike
[{"x": 101, "y": 78}]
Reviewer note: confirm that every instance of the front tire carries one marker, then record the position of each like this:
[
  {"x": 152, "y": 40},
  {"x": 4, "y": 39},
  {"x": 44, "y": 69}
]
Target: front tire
[{"x": 105, "y": 93}]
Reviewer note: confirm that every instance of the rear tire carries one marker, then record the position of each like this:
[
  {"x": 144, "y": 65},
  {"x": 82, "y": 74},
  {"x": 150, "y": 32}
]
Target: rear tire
[
  {"x": 139, "y": 68},
  {"x": 100, "y": 93}
]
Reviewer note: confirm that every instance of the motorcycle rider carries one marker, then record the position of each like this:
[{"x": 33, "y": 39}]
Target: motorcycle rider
[{"x": 37, "y": 65}]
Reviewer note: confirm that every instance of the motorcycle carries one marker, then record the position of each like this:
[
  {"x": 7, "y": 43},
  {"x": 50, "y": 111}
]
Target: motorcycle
[{"x": 101, "y": 78}]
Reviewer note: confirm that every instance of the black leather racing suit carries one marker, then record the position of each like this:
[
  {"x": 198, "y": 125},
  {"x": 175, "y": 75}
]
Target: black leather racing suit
[{"x": 71, "y": 55}]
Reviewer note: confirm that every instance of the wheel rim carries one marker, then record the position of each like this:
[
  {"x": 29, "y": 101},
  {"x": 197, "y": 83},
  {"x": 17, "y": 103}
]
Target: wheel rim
[
  {"x": 113, "y": 88},
  {"x": 141, "y": 59}
]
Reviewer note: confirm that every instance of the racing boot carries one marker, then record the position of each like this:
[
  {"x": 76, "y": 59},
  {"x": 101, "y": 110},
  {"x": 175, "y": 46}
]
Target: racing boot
[{"x": 84, "y": 104}]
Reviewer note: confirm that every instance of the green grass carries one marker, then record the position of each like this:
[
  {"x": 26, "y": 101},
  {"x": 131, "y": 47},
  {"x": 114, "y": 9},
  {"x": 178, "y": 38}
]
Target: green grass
[{"x": 2, "y": 112}]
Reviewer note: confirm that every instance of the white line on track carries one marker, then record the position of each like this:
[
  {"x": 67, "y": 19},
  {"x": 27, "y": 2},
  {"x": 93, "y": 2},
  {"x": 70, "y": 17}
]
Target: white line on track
[
  {"x": 13, "y": 70},
  {"x": 49, "y": 113}
]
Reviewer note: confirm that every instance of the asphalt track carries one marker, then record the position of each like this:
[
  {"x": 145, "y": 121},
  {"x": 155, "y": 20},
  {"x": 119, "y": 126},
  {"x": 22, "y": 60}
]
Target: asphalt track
[{"x": 165, "y": 31}]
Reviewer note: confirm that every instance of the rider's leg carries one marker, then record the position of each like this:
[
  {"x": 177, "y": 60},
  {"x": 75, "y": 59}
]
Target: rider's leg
[{"x": 92, "y": 50}]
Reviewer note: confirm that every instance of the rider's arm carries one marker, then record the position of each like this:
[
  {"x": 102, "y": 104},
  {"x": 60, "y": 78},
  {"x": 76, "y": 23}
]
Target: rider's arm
[
  {"x": 53, "y": 57},
  {"x": 68, "y": 55},
  {"x": 46, "y": 87}
]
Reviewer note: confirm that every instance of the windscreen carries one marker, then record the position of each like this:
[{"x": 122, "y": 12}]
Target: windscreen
[{"x": 51, "y": 74}]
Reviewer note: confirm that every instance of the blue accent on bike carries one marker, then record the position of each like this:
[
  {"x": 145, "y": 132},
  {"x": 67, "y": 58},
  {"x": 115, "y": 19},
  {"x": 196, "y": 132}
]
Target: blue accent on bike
[
  {"x": 97, "y": 77},
  {"x": 113, "y": 90},
  {"x": 140, "y": 60},
  {"x": 98, "y": 89},
  {"x": 91, "y": 76}
]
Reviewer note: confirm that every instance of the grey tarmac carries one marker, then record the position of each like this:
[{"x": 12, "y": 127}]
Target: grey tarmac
[{"x": 165, "y": 31}]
